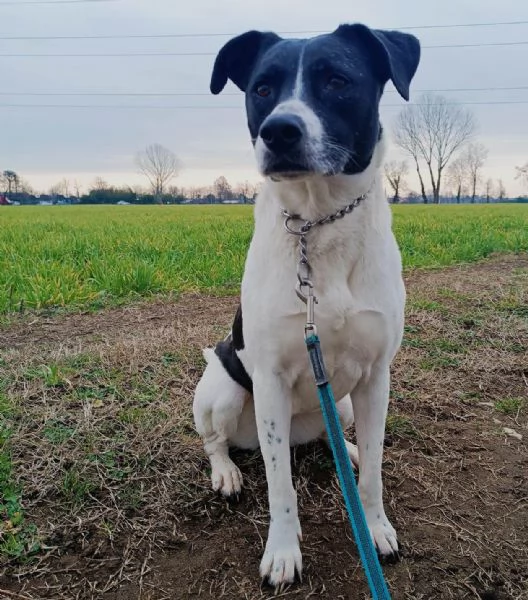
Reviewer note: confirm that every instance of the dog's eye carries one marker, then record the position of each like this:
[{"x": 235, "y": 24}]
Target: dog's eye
[
  {"x": 336, "y": 82},
  {"x": 263, "y": 90}
]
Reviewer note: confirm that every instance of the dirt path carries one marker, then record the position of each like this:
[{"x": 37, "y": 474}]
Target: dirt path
[{"x": 115, "y": 480}]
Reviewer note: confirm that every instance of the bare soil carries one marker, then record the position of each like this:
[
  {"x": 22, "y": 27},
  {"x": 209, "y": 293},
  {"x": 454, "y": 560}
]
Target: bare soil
[{"x": 116, "y": 482}]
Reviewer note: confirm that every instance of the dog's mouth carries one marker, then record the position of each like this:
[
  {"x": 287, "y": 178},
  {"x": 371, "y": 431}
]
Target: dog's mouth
[
  {"x": 281, "y": 168},
  {"x": 286, "y": 169}
]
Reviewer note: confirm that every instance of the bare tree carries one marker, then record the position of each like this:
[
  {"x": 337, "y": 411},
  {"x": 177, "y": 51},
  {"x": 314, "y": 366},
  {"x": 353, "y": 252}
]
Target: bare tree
[
  {"x": 159, "y": 165},
  {"x": 54, "y": 190},
  {"x": 99, "y": 184},
  {"x": 24, "y": 186},
  {"x": 522, "y": 173},
  {"x": 62, "y": 188},
  {"x": 246, "y": 190},
  {"x": 407, "y": 137},
  {"x": 501, "y": 190},
  {"x": 77, "y": 189},
  {"x": 489, "y": 189},
  {"x": 474, "y": 158},
  {"x": 12, "y": 181},
  {"x": 433, "y": 130},
  {"x": 395, "y": 172},
  {"x": 222, "y": 189},
  {"x": 458, "y": 176}
]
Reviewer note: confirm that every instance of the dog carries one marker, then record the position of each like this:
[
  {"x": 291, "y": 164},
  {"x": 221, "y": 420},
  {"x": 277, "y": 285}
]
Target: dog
[{"x": 313, "y": 115}]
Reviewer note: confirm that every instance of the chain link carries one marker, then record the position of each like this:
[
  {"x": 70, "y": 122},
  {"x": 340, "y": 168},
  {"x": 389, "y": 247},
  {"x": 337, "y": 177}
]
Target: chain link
[
  {"x": 304, "y": 287},
  {"x": 304, "y": 270}
]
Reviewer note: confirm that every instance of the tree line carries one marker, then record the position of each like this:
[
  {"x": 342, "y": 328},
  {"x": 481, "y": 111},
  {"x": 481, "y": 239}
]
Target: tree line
[
  {"x": 438, "y": 136},
  {"x": 101, "y": 192}
]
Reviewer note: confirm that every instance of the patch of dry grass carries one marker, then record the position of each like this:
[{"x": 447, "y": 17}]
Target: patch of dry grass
[{"x": 108, "y": 470}]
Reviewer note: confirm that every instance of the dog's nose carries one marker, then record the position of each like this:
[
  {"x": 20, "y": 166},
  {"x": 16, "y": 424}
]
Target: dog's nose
[{"x": 281, "y": 133}]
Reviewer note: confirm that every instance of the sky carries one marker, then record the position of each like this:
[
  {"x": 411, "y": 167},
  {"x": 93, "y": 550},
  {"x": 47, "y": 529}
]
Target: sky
[{"x": 49, "y": 137}]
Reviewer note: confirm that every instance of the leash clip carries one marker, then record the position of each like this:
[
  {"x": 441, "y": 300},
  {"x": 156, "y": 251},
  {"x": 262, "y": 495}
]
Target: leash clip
[{"x": 310, "y": 327}]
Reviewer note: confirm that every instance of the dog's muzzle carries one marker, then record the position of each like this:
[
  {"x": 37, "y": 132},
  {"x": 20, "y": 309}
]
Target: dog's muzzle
[{"x": 285, "y": 138}]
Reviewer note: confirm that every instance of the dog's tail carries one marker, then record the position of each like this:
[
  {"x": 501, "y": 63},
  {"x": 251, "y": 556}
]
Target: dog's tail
[{"x": 208, "y": 354}]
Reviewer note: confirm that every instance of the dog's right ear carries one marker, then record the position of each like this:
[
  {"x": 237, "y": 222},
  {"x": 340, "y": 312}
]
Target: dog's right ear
[{"x": 237, "y": 58}]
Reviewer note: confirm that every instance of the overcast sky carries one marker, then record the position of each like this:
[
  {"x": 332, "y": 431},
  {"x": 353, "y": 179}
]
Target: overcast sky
[{"x": 45, "y": 144}]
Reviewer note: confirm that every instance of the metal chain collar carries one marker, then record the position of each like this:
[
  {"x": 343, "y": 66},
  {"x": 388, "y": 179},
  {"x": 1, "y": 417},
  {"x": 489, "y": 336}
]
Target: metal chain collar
[{"x": 304, "y": 270}]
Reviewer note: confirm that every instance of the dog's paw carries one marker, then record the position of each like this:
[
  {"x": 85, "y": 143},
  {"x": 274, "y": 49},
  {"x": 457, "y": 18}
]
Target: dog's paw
[
  {"x": 353, "y": 454},
  {"x": 226, "y": 477},
  {"x": 282, "y": 557},
  {"x": 385, "y": 539}
]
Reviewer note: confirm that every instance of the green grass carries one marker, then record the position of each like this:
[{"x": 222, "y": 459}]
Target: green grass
[
  {"x": 510, "y": 406},
  {"x": 18, "y": 538},
  {"x": 400, "y": 426},
  {"x": 93, "y": 256}
]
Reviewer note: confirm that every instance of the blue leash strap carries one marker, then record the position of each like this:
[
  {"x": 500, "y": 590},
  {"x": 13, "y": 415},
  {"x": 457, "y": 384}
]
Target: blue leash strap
[{"x": 367, "y": 552}]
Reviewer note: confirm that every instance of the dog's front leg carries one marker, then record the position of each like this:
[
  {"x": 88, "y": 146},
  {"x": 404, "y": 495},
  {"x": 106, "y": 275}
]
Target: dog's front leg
[
  {"x": 370, "y": 400},
  {"x": 273, "y": 410}
]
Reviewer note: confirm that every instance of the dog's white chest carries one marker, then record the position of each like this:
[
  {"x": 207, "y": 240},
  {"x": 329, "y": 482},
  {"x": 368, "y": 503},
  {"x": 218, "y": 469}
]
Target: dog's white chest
[{"x": 350, "y": 341}]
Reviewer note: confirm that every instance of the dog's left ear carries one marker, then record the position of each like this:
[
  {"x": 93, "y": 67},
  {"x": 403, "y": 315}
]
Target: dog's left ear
[
  {"x": 237, "y": 58},
  {"x": 396, "y": 54}
]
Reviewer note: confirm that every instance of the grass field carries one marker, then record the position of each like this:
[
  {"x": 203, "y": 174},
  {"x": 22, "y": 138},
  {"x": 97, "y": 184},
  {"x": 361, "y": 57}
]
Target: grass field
[
  {"x": 104, "y": 484},
  {"x": 93, "y": 256}
]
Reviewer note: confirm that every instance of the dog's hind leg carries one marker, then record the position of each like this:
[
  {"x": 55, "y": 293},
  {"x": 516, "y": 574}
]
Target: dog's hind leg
[
  {"x": 346, "y": 417},
  {"x": 218, "y": 405},
  {"x": 310, "y": 426}
]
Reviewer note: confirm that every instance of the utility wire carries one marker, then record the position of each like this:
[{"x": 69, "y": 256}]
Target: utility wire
[
  {"x": 187, "y": 94},
  {"x": 225, "y": 107},
  {"x": 164, "y": 54},
  {"x": 20, "y": 2},
  {"x": 219, "y": 34}
]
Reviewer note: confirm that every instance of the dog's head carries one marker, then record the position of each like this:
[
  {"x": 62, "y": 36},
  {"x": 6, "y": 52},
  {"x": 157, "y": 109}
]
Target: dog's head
[{"x": 313, "y": 104}]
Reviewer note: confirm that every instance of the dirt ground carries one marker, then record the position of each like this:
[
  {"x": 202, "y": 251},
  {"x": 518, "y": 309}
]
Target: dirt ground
[{"x": 116, "y": 482}]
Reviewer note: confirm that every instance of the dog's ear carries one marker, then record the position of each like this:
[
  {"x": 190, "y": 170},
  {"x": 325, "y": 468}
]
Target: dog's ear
[
  {"x": 396, "y": 55},
  {"x": 237, "y": 58}
]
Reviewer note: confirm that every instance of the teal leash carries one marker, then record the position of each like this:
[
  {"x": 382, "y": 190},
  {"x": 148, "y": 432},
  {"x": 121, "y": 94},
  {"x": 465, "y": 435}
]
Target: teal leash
[{"x": 356, "y": 514}]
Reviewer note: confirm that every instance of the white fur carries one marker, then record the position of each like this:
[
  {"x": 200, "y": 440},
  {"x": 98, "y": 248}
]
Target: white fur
[
  {"x": 357, "y": 277},
  {"x": 314, "y": 143},
  {"x": 298, "y": 87}
]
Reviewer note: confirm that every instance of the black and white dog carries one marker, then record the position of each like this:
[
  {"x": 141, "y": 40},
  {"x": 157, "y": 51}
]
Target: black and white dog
[{"x": 313, "y": 114}]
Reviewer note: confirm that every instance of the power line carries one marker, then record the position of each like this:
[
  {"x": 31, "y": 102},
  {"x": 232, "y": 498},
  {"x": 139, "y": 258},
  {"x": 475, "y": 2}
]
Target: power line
[
  {"x": 19, "y": 2},
  {"x": 225, "y": 107},
  {"x": 224, "y": 34},
  {"x": 187, "y": 94},
  {"x": 165, "y": 54}
]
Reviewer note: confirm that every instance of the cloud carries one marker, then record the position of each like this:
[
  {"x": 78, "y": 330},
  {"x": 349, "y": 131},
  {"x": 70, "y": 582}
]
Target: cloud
[{"x": 78, "y": 143}]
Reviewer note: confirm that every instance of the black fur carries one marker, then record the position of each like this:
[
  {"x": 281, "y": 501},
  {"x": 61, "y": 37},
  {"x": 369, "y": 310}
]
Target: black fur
[
  {"x": 344, "y": 74},
  {"x": 227, "y": 353}
]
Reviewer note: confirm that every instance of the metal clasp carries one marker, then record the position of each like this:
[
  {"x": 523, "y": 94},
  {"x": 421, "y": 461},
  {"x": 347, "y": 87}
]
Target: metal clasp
[{"x": 311, "y": 301}]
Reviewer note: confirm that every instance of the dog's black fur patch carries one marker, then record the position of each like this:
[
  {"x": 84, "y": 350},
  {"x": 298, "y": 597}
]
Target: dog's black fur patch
[
  {"x": 226, "y": 351},
  {"x": 343, "y": 77}
]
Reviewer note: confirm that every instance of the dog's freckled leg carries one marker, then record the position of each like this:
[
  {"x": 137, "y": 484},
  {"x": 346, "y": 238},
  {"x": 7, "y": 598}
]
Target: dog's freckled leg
[{"x": 273, "y": 404}]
